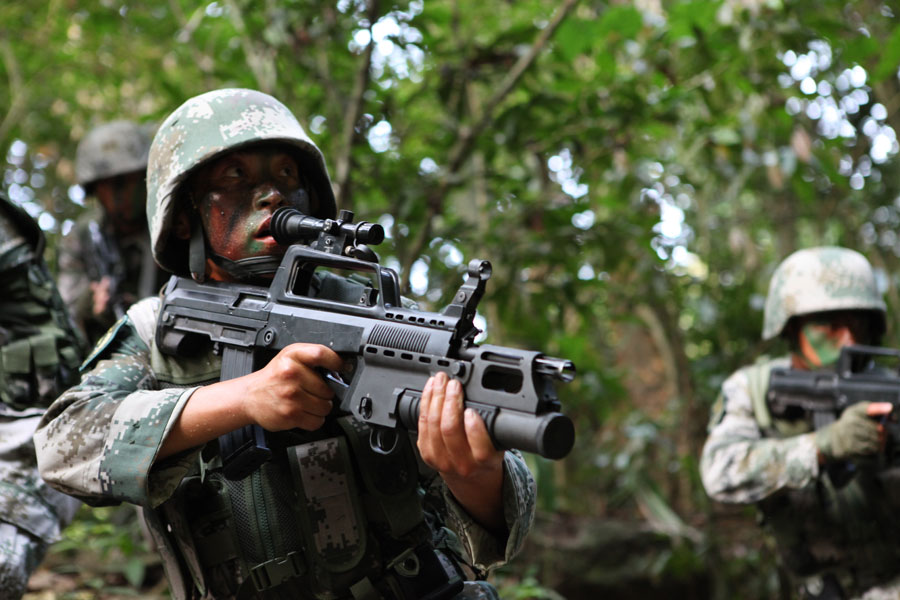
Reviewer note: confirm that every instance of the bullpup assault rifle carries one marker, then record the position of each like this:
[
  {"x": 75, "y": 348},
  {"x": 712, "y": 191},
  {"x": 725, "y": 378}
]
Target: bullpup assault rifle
[
  {"x": 392, "y": 350},
  {"x": 821, "y": 396}
]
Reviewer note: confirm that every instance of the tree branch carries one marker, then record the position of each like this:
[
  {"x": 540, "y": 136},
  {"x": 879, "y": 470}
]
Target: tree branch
[
  {"x": 469, "y": 134},
  {"x": 262, "y": 68},
  {"x": 352, "y": 112}
]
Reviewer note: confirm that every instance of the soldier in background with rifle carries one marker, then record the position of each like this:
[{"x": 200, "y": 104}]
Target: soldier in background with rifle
[
  {"x": 105, "y": 263},
  {"x": 824, "y": 491},
  {"x": 328, "y": 515}
]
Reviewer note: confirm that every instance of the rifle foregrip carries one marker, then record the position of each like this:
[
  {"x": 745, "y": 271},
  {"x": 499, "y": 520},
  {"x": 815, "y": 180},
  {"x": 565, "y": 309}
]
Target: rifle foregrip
[{"x": 551, "y": 435}]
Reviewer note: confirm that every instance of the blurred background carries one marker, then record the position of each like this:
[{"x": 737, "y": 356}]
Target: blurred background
[{"x": 633, "y": 170}]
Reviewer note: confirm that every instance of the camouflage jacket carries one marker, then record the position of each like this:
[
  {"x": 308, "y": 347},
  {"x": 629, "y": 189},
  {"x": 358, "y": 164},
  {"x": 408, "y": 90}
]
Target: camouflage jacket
[
  {"x": 847, "y": 530},
  {"x": 39, "y": 355},
  {"x": 91, "y": 251},
  {"x": 99, "y": 440}
]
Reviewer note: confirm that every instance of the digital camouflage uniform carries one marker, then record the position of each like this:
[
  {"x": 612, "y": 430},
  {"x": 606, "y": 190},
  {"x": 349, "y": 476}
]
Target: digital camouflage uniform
[
  {"x": 93, "y": 249},
  {"x": 326, "y": 517},
  {"x": 39, "y": 356},
  {"x": 822, "y": 530}
]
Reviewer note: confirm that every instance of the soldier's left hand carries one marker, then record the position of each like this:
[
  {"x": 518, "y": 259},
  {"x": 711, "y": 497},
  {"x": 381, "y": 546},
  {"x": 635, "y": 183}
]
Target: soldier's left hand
[{"x": 455, "y": 442}]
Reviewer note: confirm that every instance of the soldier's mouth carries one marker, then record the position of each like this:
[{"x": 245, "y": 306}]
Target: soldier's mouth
[{"x": 264, "y": 229}]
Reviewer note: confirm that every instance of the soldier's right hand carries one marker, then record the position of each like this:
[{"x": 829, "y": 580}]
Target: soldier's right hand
[
  {"x": 856, "y": 433},
  {"x": 286, "y": 393},
  {"x": 289, "y": 391}
]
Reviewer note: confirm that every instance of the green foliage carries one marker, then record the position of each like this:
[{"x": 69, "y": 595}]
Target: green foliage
[{"x": 633, "y": 175}]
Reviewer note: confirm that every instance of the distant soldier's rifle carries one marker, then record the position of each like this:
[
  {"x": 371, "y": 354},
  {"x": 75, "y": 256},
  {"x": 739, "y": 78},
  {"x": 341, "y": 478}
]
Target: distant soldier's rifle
[
  {"x": 821, "y": 396},
  {"x": 104, "y": 261}
]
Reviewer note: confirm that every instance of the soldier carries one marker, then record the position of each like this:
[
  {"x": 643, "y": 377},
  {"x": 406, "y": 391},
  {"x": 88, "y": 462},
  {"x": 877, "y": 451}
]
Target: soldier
[
  {"x": 39, "y": 355},
  {"x": 326, "y": 517},
  {"x": 105, "y": 262},
  {"x": 836, "y": 539}
]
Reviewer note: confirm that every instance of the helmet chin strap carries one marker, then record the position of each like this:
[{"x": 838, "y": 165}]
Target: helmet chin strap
[
  {"x": 241, "y": 269},
  {"x": 197, "y": 255},
  {"x": 248, "y": 268}
]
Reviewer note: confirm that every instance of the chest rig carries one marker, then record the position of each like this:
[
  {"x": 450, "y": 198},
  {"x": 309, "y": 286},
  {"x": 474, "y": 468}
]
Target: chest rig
[
  {"x": 326, "y": 518},
  {"x": 842, "y": 522}
]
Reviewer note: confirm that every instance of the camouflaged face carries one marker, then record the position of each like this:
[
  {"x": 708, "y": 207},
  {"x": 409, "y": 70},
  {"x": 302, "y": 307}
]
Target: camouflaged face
[
  {"x": 111, "y": 149},
  {"x": 203, "y": 128},
  {"x": 816, "y": 280}
]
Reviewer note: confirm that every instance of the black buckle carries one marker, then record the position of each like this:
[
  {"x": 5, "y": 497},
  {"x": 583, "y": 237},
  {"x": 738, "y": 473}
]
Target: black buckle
[{"x": 277, "y": 571}]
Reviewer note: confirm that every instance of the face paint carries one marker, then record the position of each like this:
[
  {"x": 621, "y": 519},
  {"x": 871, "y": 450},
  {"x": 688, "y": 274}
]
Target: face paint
[
  {"x": 236, "y": 196},
  {"x": 823, "y": 347}
]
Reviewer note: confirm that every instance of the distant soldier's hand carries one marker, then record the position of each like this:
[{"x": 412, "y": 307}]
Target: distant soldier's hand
[
  {"x": 855, "y": 433},
  {"x": 289, "y": 392},
  {"x": 101, "y": 295}
]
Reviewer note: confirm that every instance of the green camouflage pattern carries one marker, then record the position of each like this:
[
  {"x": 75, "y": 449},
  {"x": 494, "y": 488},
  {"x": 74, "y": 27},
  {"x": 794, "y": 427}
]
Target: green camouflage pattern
[
  {"x": 20, "y": 555},
  {"x": 819, "y": 528},
  {"x": 39, "y": 356},
  {"x": 202, "y": 129},
  {"x": 99, "y": 441},
  {"x": 816, "y": 280},
  {"x": 111, "y": 149},
  {"x": 140, "y": 275}
]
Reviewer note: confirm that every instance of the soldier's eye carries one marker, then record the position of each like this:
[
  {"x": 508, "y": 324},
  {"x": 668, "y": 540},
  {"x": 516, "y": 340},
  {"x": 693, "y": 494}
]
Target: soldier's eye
[{"x": 234, "y": 172}]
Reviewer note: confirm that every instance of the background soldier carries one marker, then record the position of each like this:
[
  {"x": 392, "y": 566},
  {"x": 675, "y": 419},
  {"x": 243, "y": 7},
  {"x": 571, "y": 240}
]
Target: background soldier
[
  {"x": 835, "y": 539},
  {"x": 326, "y": 516},
  {"x": 105, "y": 263},
  {"x": 40, "y": 351}
]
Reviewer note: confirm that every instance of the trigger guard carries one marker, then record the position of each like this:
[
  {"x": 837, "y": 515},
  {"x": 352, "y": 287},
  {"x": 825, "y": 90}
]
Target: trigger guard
[{"x": 377, "y": 438}]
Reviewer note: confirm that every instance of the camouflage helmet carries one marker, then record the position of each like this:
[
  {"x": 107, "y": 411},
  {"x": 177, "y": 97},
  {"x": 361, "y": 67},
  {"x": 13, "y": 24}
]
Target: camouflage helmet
[
  {"x": 817, "y": 280},
  {"x": 202, "y": 129},
  {"x": 111, "y": 149}
]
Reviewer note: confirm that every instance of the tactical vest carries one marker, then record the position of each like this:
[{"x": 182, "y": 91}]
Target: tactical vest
[
  {"x": 326, "y": 517},
  {"x": 41, "y": 348},
  {"x": 846, "y": 529}
]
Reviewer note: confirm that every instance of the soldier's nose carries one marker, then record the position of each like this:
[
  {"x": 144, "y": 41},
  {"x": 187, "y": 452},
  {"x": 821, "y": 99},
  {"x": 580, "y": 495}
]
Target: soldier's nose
[{"x": 268, "y": 196}]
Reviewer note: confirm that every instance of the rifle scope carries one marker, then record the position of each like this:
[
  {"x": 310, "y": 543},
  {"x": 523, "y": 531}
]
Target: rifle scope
[{"x": 290, "y": 226}]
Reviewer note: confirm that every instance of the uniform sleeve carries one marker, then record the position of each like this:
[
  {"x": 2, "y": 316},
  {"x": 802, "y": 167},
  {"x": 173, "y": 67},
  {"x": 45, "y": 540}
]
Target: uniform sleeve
[
  {"x": 739, "y": 464},
  {"x": 98, "y": 441},
  {"x": 485, "y": 549}
]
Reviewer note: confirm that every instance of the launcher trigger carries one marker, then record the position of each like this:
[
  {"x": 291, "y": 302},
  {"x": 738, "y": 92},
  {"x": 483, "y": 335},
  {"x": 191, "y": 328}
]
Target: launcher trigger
[{"x": 383, "y": 440}]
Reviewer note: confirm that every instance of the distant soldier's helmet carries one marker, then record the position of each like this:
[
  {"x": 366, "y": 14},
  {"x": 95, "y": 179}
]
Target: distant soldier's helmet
[
  {"x": 202, "y": 129},
  {"x": 822, "y": 279},
  {"x": 111, "y": 149}
]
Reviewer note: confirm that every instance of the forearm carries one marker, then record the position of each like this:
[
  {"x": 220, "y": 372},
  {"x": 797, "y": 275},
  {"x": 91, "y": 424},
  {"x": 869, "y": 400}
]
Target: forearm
[
  {"x": 486, "y": 548},
  {"x": 210, "y": 412},
  {"x": 482, "y": 498},
  {"x": 747, "y": 470}
]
